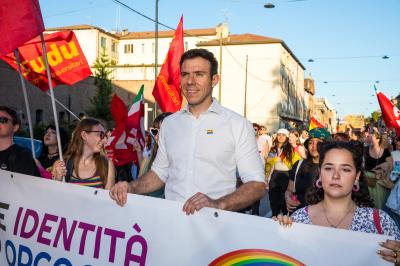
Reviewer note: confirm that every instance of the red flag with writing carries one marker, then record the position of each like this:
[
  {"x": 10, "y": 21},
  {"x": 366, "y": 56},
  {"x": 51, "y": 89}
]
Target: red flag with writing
[
  {"x": 390, "y": 113},
  {"x": 20, "y": 21},
  {"x": 167, "y": 90},
  {"x": 67, "y": 62},
  {"x": 129, "y": 130}
]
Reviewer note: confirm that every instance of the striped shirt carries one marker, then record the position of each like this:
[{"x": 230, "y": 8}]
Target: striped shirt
[{"x": 95, "y": 181}]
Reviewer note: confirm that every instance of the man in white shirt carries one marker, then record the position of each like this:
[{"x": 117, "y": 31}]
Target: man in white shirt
[{"x": 201, "y": 148}]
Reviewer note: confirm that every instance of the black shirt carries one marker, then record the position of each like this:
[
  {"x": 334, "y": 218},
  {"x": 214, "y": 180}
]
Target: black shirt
[
  {"x": 306, "y": 177},
  {"x": 18, "y": 159},
  {"x": 47, "y": 162},
  {"x": 371, "y": 163}
]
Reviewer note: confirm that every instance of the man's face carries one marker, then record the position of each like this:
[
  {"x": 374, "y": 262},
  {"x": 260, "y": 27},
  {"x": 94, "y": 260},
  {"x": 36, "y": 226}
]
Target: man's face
[
  {"x": 7, "y": 128},
  {"x": 196, "y": 81}
]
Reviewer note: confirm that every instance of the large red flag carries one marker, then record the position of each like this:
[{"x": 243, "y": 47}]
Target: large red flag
[
  {"x": 20, "y": 21},
  {"x": 67, "y": 62},
  {"x": 167, "y": 90},
  {"x": 129, "y": 128},
  {"x": 390, "y": 113}
]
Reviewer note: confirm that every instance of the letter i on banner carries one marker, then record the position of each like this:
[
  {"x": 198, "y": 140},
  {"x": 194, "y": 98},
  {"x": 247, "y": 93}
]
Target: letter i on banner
[{"x": 53, "y": 104}]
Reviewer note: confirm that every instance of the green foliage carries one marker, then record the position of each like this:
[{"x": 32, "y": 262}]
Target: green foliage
[
  {"x": 375, "y": 116},
  {"x": 100, "y": 103}
]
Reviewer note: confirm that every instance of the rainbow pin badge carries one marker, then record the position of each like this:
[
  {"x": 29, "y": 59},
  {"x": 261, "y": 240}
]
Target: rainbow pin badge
[
  {"x": 255, "y": 257},
  {"x": 210, "y": 131}
]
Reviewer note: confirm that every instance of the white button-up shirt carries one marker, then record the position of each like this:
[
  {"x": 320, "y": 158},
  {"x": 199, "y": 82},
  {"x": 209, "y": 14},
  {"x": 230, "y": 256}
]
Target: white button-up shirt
[{"x": 204, "y": 154}]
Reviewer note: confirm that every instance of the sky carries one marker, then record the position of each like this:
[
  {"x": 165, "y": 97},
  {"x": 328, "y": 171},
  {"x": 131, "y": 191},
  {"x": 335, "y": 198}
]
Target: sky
[{"x": 345, "y": 38}]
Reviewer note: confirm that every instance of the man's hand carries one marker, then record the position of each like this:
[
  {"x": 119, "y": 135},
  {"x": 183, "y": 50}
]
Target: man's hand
[
  {"x": 119, "y": 192},
  {"x": 199, "y": 201}
]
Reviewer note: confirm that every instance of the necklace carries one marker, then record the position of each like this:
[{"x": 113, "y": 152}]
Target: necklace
[{"x": 341, "y": 220}]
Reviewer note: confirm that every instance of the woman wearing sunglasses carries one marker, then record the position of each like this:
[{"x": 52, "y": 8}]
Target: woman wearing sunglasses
[
  {"x": 85, "y": 162},
  {"x": 146, "y": 162}
]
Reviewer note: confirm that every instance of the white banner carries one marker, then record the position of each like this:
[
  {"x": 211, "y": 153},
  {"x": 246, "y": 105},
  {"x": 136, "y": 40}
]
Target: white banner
[{"x": 43, "y": 222}]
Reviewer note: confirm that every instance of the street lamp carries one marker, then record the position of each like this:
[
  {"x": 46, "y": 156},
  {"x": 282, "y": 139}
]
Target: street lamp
[
  {"x": 310, "y": 60},
  {"x": 385, "y": 57},
  {"x": 269, "y": 5}
]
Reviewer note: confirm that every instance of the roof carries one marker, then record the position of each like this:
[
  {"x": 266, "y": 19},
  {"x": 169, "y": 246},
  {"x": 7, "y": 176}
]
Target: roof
[
  {"x": 167, "y": 34},
  {"x": 248, "y": 38},
  {"x": 82, "y": 27}
]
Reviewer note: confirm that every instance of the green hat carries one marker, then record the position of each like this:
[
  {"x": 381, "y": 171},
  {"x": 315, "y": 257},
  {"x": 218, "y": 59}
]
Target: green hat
[{"x": 320, "y": 133}]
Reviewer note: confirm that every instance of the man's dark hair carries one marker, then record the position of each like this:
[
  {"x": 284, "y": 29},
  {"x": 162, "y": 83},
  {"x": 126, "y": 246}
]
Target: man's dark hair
[
  {"x": 203, "y": 53},
  {"x": 12, "y": 113}
]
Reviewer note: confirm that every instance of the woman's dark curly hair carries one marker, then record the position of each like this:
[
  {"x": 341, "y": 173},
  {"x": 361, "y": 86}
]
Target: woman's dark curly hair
[{"x": 361, "y": 197}]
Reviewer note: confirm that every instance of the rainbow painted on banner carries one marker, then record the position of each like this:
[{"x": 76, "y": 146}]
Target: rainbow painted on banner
[{"x": 255, "y": 257}]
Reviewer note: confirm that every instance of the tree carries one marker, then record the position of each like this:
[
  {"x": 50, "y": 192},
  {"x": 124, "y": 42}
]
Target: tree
[
  {"x": 100, "y": 103},
  {"x": 375, "y": 115}
]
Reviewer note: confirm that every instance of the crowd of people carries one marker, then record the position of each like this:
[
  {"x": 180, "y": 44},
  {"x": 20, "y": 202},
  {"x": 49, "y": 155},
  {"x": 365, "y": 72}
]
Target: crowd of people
[{"x": 208, "y": 156}]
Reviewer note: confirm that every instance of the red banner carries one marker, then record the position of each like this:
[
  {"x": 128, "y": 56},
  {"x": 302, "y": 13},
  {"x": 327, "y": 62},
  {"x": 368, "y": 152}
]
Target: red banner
[
  {"x": 67, "y": 62},
  {"x": 20, "y": 21},
  {"x": 167, "y": 89}
]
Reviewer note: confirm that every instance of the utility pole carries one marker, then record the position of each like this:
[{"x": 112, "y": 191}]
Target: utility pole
[
  {"x": 245, "y": 89},
  {"x": 222, "y": 32},
  {"x": 155, "y": 58}
]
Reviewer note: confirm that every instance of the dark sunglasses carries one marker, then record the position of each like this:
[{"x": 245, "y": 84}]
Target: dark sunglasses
[
  {"x": 102, "y": 133},
  {"x": 4, "y": 120},
  {"x": 154, "y": 131}
]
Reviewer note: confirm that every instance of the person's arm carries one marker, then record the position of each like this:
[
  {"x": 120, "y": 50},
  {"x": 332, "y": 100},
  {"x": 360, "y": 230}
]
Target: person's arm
[
  {"x": 147, "y": 183},
  {"x": 243, "y": 197},
  {"x": 58, "y": 170},
  {"x": 111, "y": 175},
  {"x": 302, "y": 152}
]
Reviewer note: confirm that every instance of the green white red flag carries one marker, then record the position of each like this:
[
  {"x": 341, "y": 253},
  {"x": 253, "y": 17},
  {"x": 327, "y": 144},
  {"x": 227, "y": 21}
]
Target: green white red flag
[{"x": 129, "y": 128}]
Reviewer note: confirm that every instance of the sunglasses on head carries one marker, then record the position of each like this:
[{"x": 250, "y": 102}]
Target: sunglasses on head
[
  {"x": 102, "y": 133},
  {"x": 154, "y": 131},
  {"x": 4, "y": 120}
]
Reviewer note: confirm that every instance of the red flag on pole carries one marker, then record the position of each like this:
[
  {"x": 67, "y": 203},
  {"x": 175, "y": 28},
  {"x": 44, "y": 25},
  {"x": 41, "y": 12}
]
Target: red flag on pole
[
  {"x": 20, "y": 21},
  {"x": 167, "y": 90},
  {"x": 129, "y": 128},
  {"x": 66, "y": 60},
  {"x": 390, "y": 113}
]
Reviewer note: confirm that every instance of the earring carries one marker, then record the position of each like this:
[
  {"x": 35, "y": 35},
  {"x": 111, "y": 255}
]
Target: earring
[
  {"x": 318, "y": 183},
  {"x": 356, "y": 187}
]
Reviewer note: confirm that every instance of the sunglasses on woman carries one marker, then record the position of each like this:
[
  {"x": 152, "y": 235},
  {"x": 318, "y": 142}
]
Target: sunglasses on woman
[
  {"x": 154, "y": 131},
  {"x": 102, "y": 134}
]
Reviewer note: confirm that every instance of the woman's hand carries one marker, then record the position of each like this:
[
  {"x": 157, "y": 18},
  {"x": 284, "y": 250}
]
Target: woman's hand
[
  {"x": 392, "y": 251},
  {"x": 283, "y": 220},
  {"x": 59, "y": 170}
]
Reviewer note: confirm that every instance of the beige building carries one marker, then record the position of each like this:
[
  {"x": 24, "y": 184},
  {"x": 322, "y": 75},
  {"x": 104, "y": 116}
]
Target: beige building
[
  {"x": 261, "y": 77},
  {"x": 326, "y": 114}
]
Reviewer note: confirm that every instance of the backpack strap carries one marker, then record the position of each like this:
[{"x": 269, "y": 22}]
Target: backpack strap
[
  {"x": 295, "y": 174},
  {"x": 70, "y": 169},
  {"x": 377, "y": 221}
]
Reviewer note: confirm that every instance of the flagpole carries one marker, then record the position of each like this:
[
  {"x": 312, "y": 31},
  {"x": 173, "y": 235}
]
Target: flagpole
[
  {"x": 63, "y": 106},
  {"x": 28, "y": 112},
  {"x": 53, "y": 104}
]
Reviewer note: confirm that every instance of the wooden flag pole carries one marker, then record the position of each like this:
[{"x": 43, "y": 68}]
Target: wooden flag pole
[
  {"x": 53, "y": 104},
  {"x": 28, "y": 111}
]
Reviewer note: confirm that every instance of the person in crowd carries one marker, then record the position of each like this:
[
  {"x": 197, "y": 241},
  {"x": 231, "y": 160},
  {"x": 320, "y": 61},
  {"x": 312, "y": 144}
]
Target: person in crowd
[
  {"x": 85, "y": 162},
  {"x": 305, "y": 172},
  {"x": 148, "y": 145},
  {"x": 340, "y": 198},
  {"x": 340, "y": 136},
  {"x": 13, "y": 157},
  {"x": 294, "y": 140},
  {"x": 304, "y": 136},
  {"x": 262, "y": 141},
  {"x": 50, "y": 154},
  {"x": 378, "y": 165},
  {"x": 201, "y": 147},
  {"x": 392, "y": 205},
  {"x": 147, "y": 161},
  {"x": 281, "y": 159}
]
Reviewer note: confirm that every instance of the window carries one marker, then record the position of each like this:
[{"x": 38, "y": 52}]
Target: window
[
  {"x": 153, "y": 47},
  {"x": 142, "y": 48},
  {"x": 128, "y": 49},
  {"x": 113, "y": 46},
  {"x": 103, "y": 42},
  {"x": 39, "y": 116},
  {"x": 186, "y": 46}
]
